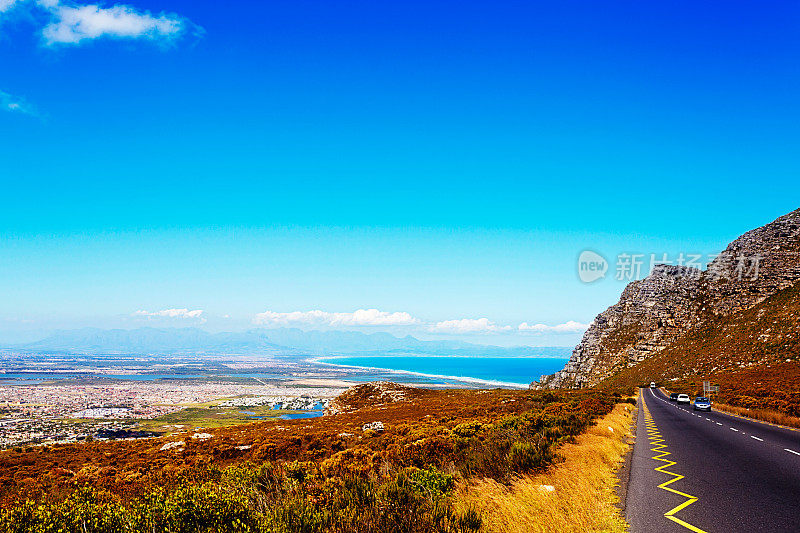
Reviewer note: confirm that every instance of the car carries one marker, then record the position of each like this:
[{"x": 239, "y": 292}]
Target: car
[
  {"x": 652, "y": 384},
  {"x": 673, "y": 397},
  {"x": 701, "y": 403},
  {"x": 683, "y": 398}
]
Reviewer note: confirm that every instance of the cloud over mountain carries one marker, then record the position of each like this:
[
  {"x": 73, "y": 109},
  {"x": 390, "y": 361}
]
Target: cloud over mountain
[
  {"x": 375, "y": 317},
  {"x": 468, "y": 325},
  {"x": 361, "y": 317},
  {"x": 570, "y": 326},
  {"x": 171, "y": 313}
]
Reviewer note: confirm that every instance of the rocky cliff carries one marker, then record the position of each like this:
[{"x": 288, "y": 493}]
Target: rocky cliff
[{"x": 654, "y": 312}]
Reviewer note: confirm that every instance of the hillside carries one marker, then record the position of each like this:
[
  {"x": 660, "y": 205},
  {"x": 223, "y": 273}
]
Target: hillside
[
  {"x": 753, "y": 355},
  {"x": 387, "y": 458},
  {"x": 680, "y": 321},
  {"x": 420, "y": 427}
]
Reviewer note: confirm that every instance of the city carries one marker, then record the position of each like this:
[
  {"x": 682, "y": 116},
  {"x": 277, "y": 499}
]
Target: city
[{"x": 68, "y": 411}]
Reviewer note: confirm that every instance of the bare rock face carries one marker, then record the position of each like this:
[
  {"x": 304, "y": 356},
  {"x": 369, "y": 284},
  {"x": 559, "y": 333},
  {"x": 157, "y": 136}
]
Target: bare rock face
[
  {"x": 756, "y": 265},
  {"x": 654, "y": 311}
]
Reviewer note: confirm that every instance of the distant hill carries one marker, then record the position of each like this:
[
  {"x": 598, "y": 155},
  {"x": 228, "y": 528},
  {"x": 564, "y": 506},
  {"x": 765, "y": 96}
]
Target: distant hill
[
  {"x": 266, "y": 342},
  {"x": 152, "y": 340}
]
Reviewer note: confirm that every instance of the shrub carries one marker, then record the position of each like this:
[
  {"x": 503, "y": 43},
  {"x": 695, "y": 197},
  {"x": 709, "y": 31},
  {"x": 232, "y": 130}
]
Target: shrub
[
  {"x": 468, "y": 429},
  {"x": 431, "y": 480},
  {"x": 526, "y": 456}
]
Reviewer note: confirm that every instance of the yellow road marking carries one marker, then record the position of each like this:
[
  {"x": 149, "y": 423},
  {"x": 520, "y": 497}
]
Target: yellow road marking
[{"x": 657, "y": 441}]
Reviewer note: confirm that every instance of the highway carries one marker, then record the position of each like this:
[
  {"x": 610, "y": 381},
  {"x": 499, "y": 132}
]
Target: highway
[{"x": 710, "y": 472}]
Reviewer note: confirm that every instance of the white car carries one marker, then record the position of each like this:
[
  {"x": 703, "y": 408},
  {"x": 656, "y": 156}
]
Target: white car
[
  {"x": 684, "y": 398},
  {"x": 652, "y": 384}
]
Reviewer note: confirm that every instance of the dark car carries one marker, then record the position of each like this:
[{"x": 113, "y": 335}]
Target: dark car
[
  {"x": 673, "y": 397},
  {"x": 701, "y": 403}
]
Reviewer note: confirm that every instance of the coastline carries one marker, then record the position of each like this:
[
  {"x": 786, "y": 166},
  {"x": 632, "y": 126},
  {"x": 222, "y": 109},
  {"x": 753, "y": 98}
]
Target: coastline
[{"x": 468, "y": 380}]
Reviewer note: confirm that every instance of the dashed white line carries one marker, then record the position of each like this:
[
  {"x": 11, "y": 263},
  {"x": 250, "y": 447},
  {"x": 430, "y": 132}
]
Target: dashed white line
[
  {"x": 719, "y": 424},
  {"x": 791, "y": 451},
  {"x": 734, "y": 429},
  {"x": 754, "y": 437}
]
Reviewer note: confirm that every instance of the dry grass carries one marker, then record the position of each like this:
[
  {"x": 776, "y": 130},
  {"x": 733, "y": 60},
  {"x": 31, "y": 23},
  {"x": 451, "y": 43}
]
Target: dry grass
[
  {"x": 582, "y": 497},
  {"x": 766, "y": 415}
]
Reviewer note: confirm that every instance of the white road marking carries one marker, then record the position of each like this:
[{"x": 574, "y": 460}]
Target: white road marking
[
  {"x": 719, "y": 424},
  {"x": 734, "y": 429},
  {"x": 754, "y": 437},
  {"x": 791, "y": 451}
]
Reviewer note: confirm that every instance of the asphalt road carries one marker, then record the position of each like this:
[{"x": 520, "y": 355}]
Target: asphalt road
[{"x": 729, "y": 474}]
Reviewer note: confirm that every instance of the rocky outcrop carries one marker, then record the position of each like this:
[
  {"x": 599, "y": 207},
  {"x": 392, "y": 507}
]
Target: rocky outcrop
[
  {"x": 756, "y": 265},
  {"x": 372, "y": 394},
  {"x": 657, "y": 310}
]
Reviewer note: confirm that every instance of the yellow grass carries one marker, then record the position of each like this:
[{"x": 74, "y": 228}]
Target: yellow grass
[
  {"x": 766, "y": 415},
  {"x": 583, "y": 497}
]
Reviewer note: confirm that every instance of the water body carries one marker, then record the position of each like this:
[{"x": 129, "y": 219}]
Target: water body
[
  {"x": 305, "y": 414},
  {"x": 422, "y": 370},
  {"x": 311, "y": 413},
  {"x": 484, "y": 371}
]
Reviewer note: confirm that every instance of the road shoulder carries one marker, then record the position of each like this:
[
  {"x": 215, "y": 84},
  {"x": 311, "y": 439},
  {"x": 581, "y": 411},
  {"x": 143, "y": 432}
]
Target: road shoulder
[{"x": 624, "y": 472}]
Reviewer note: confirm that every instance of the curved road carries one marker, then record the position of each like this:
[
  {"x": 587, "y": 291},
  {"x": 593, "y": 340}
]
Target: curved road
[{"x": 711, "y": 472}]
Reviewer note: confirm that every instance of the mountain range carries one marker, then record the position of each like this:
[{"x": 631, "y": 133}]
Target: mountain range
[{"x": 267, "y": 342}]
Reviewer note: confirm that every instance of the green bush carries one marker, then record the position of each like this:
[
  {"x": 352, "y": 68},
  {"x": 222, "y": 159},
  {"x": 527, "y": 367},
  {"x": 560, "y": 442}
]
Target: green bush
[
  {"x": 467, "y": 429},
  {"x": 526, "y": 456},
  {"x": 432, "y": 480},
  {"x": 262, "y": 499}
]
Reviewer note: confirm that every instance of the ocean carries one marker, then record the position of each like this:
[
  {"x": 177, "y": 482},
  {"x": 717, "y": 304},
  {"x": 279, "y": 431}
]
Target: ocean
[{"x": 515, "y": 372}]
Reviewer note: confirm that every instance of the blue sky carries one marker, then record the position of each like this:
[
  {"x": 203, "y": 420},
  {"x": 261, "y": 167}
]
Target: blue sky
[{"x": 446, "y": 161}]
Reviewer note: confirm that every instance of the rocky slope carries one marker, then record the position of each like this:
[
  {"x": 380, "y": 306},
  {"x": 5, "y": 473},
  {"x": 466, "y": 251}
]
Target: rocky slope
[
  {"x": 753, "y": 355},
  {"x": 657, "y": 311}
]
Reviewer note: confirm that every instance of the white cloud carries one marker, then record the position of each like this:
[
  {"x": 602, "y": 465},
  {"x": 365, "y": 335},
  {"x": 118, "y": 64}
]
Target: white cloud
[
  {"x": 374, "y": 317},
  {"x": 362, "y": 317},
  {"x": 468, "y": 325},
  {"x": 484, "y": 325},
  {"x": 5, "y": 5},
  {"x": 15, "y": 104},
  {"x": 171, "y": 313},
  {"x": 72, "y": 23},
  {"x": 570, "y": 326}
]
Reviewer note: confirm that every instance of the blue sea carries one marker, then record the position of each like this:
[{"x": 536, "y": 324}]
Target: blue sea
[{"x": 489, "y": 371}]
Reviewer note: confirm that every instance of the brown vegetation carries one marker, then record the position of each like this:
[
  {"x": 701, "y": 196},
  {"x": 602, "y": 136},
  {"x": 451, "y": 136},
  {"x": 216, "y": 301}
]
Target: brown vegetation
[
  {"x": 475, "y": 433},
  {"x": 765, "y": 415}
]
